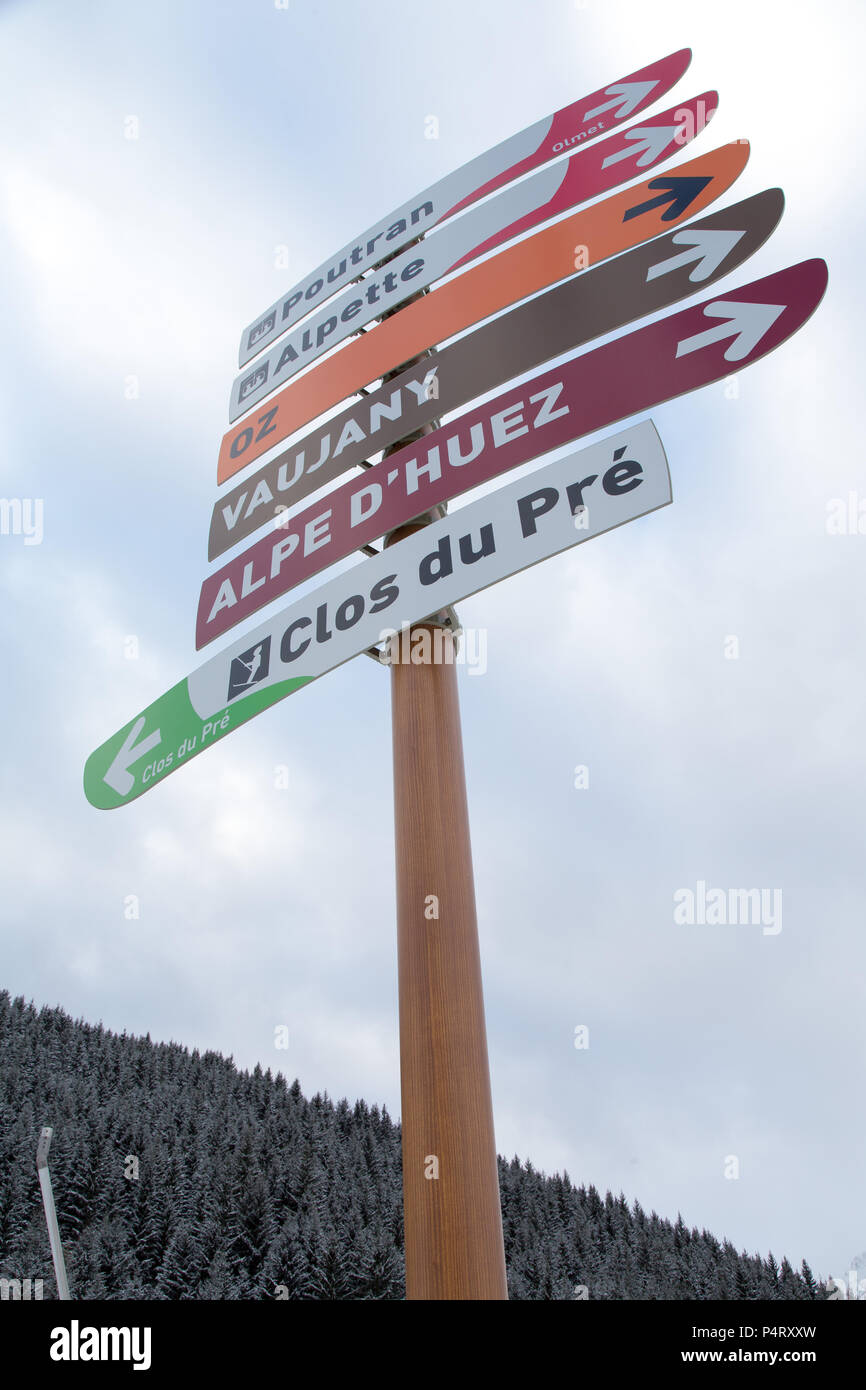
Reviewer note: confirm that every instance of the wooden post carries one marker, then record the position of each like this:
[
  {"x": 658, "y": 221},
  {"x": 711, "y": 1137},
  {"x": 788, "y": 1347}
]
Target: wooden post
[{"x": 452, "y": 1215}]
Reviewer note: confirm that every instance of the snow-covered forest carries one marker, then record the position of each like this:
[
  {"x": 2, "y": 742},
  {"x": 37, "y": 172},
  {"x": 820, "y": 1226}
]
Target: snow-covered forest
[{"x": 177, "y": 1176}]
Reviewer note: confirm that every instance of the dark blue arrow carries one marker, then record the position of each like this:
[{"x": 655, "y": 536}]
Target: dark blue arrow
[{"x": 680, "y": 193}]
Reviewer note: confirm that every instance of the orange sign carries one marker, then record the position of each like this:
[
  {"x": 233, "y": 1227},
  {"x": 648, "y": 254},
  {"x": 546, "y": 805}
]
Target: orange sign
[{"x": 579, "y": 241}]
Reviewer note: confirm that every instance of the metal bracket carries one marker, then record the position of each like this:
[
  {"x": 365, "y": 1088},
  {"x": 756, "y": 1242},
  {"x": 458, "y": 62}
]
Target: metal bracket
[
  {"x": 445, "y": 618},
  {"x": 437, "y": 512}
]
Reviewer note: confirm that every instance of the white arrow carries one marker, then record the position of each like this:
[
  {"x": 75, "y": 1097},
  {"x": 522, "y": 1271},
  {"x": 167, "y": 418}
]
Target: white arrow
[
  {"x": 626, "y": 95},
  {"x": 118, "y": 776},
  {"x": 710, "y": 246},
  {"x": 654, "y": 139},
  {"x": 745, "y": 323}
]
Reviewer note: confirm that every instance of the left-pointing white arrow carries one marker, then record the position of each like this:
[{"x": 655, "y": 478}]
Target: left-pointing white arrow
[
  {"x": 709, "y": 246},
  {"x": 626, "y": 96},
  {"x": 745, "y": 323},
  {"x": 653, "y": 138},
  {"x": 118, "y": 776}
]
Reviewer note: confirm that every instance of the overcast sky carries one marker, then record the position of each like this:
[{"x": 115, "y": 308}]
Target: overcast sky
[{"x": 130, "y": 267}]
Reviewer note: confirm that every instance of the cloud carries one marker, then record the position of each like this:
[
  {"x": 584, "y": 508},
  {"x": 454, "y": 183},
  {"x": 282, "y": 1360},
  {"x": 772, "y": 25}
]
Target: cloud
[{"x": 260, "y": 906}]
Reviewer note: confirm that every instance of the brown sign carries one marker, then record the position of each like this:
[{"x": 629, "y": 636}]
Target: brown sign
[
  {"x": 587, "y": 238},
  {"x": 640, "y": 282}
]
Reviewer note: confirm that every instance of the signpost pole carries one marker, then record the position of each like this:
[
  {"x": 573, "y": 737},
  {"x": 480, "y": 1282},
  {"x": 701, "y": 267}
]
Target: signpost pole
[
  {"x": 451, "y": 1209},
  {"x": 452, "y": 1216}
]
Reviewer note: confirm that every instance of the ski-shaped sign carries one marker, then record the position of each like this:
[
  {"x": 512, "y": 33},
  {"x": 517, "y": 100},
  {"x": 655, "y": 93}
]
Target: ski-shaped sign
[
  {"x": 505, "y": 432},
  {"x": 585, "y": 307},
  {"x": 566, "y": 130},
  {"x": 511, "y": 213},
  {"x": 570, "y": 501},
  {"x": 552, "y": 254}
]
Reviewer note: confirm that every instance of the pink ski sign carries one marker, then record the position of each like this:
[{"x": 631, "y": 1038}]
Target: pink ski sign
[{"x": 572, "y": 126}]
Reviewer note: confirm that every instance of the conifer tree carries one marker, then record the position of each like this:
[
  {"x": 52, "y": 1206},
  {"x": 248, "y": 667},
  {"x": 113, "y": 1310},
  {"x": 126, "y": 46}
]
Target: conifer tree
[{"x": 243, "y": 1189}]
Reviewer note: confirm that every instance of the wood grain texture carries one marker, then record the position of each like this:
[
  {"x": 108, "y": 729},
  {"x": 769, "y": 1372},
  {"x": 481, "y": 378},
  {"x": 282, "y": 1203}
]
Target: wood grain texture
[{"x": 453, "y": 1224}]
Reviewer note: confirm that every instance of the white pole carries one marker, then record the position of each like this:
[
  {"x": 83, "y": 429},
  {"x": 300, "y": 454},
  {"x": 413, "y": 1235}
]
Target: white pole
[{"x": 45, "y": 1138}]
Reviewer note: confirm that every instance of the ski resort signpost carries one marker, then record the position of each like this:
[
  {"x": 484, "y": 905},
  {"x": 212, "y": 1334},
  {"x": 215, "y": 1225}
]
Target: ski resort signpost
[{"x": 430, "y": 559}]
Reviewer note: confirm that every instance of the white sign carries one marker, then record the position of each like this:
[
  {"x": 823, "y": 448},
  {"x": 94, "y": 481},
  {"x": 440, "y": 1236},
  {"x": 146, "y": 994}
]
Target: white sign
[
  {"x": 509, "y": 530},
  {"x": 569, "y": 501}
]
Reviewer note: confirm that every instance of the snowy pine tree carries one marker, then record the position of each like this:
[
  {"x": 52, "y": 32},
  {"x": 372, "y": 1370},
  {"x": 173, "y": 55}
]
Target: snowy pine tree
[{"x": 179, "y": 1177}]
